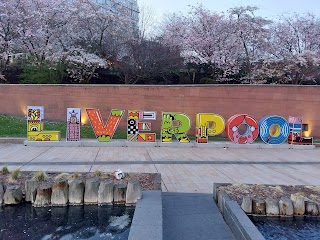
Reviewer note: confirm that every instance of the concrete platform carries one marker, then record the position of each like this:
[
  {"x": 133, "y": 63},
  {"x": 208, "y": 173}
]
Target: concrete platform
[
  {"x": 192, "y": 216},
  {"x": 12, "y": 140},
  {"x": 192, "y": 144},
  {"x": 147, "y": 220},
  {"x": 182, "y": 169}
]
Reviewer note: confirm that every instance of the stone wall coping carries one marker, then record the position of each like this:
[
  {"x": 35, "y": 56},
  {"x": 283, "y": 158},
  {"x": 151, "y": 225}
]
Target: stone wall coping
[
  {"x": 174, "y": 144},
  {"x": 237, "y": 220},
  {"x": 177, "y": 85},
  {"x": 147, "y": 219}
]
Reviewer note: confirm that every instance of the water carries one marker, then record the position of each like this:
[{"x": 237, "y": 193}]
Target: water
[
  {"x": 66, "y": 223},
  {"x": 288, "y": 228}
]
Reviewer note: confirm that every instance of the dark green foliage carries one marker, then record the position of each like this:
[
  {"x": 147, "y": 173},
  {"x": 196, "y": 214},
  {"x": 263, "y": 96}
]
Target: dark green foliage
[
  {"x": 207, "y": 80},
  {"x": 42, "y": 74}
]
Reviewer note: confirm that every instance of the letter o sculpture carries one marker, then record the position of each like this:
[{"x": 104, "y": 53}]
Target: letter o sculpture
[
  {"x": 232, "y": 129},
  {"x": 282, "y": 129}
]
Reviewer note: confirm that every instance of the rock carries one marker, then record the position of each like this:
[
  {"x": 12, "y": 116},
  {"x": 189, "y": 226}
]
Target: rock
[
  {"x": 76, "y": 192},
  {"x": 286, "y": 206},
  {"x": 272, "y": 207},
  {"x": 105, "y": 193},
  {"x": 31, "y": 190},
  {"x": 119, "y": 193},
  {"x": 298, "y": 204},
  {"x": 43, "y": 197},
  {"x": 60, "y": 193},
  {"x": 134, "y": 192},
  {"x": 247, "y": 204},
  {"x": 91, "y": 191},
  {"x": 259, "y": 206},
  {"x": 1, "y": 193},
  {"x": 13, "y": 195},
  {"x": 311, "y": 208}
]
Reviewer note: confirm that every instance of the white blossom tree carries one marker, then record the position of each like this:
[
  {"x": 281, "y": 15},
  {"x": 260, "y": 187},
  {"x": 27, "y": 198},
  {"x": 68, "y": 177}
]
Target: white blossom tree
[
  {"x": 205, "y": 37},
  {"x": 49, "y": 30},
  {"x": 252, "y": 35},
  {"x": 293, "y": 55}
]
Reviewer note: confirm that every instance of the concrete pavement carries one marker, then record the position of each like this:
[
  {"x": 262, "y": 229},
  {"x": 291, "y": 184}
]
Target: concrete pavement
[
  {"x": 190, "y": 216},
  {"x": 182, "y": 169}
]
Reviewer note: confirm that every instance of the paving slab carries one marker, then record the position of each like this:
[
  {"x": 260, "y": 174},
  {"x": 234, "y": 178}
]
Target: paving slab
[{"x": 182, "y": 169}]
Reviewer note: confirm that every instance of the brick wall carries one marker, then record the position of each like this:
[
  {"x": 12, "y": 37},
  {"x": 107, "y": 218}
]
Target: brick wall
[{"x": 226, "y": 100}]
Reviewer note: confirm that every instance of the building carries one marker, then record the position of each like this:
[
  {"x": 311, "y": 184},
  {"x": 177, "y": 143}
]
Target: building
[{"x": 130, "y": 5}]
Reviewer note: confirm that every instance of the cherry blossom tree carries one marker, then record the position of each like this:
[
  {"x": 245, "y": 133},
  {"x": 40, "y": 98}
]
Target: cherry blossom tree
[
  {"x": 8, "y": 19},
  {"x": 205, "y": 37},
  {"x": 68, "y": 31},
  {"x": 294, "y": 52},
  {"x": 81, "y": 66},
  {"x": 252, "y": 35},
  {"x": 39, "y": 26}
]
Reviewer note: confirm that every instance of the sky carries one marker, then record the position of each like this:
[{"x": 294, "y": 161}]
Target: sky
[{"x": 268, "y": 8}]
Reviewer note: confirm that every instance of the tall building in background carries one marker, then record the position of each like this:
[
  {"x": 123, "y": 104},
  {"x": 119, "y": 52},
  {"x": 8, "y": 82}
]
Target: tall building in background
[{"x": 130, "y": 5}]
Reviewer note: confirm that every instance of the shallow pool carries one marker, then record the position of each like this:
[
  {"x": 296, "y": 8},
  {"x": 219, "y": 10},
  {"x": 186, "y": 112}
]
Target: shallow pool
[
  {"x": 288, "y": 228},
  {"x": 73, "y": 222}
]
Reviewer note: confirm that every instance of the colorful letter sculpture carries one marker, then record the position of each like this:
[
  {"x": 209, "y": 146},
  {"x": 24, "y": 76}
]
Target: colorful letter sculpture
[
  {"x": 35, "y": 126},
  {"x": 232, "y": 129},
  {"x": 168, "y": 127},
  {"x": 208, "y": 124},
  {"x": 281, "y": 129},
  {"x": 73, "y": 124},
  {"x": 104, "y": 133},
  {"x": 295, "y": 132},
  {"x": 135, "y": 127}
]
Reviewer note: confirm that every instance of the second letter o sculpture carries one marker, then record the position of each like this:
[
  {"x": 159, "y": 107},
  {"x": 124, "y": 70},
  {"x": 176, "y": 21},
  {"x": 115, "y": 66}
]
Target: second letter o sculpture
[
  {"x": 232, "y": 129},
  {"x": 281, "y": 132}
]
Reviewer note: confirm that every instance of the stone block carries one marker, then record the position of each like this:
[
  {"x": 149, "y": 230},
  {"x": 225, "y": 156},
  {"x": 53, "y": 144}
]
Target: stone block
[
  {"x": 272, "y": 207},
  {"x": 259, "y": 206},
  {"x": 246, "y": 204},
  {"x": 311, "y": 208},
  {"x": 222, "y": 198},
  {"x": 76, "y": 192},
  {"x": 60, "y": 193},
  {"x": 91, "y": 191},
  {"x": 31, "y": 190},
  {"x": 119, "y": 193},
  {"x": 134, "y": 192},
  {"x": 43, "y": 197},
  {"x": 105, "y": 193},
  {"x": 1, "y": 193},
  {"x": 13, "y": 195},
  {"x": 298, "y": 204},
  {"x": 286, "y": 206}
]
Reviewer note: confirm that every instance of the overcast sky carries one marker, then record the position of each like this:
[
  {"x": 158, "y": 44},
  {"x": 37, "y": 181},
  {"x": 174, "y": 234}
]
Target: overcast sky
[{"x": 268, "y": 8}]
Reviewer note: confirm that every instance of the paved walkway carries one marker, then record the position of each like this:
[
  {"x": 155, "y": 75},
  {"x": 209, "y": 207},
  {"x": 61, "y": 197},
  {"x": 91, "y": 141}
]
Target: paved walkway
[
  {"x": 192, "y": 217},
  {"x": 182, "y": 169}
]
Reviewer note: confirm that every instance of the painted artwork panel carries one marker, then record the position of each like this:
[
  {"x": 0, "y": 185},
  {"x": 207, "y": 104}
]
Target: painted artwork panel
[
  {"x": 136, "y": 129},
  {"x": 296, "y": 132},
  {"x": 104, "y": 132},
  {"x": 280, "y": 134},
  {"x": 208, "y": 124},
  {"x": 35, "y": 113},
  {"x": 179, "y": 131},
  {"x": 251, "y": 125},
  {"x": 35, "y": 126},
  {"x": 73, "y": 124}
]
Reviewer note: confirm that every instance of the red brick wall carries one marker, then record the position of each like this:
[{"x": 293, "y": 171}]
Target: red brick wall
[{"x": 226, "y": 100}]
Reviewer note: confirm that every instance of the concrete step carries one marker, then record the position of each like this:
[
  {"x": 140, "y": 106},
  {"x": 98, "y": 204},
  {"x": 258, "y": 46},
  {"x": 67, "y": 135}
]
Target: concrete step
[{"x": 188, "y": 216}]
